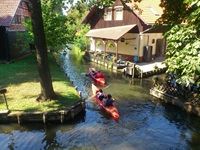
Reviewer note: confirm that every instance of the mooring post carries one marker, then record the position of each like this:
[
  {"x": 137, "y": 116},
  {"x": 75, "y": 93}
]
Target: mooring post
[
  {"x": 72, "y": 112},
  {"x": 83, "y": 104},
  {"x": 19, "y": 120},
  {"x": 3, "y": 91},
  {"x": 76, "y": 87},
  {"x": 44, "y": 117},
  {"x": 133, "y": 71},
  {"x": 80, "y": 93},
  {"x": 62, "y": 116}
]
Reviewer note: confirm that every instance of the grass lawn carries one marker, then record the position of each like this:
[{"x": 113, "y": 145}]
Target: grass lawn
[{"x": 21, "y": 80}]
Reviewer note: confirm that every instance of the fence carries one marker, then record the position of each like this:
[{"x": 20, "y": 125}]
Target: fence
[{"x": 176, "y": 90}]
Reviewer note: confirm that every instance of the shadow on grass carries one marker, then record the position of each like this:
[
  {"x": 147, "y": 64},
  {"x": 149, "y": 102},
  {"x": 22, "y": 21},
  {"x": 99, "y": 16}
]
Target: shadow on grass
[
  {"x": 59, "y": 103},
  {"x": 18, "y": 72},
  {"x": 23, "y": 80},
  {"x": 25, "y": 70}
]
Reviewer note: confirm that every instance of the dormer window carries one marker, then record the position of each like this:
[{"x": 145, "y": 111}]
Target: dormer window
[
  {"x": 108, "y": 14},
  {"x": 153, "y": 11},
  {"x": 119, "y": 13}
]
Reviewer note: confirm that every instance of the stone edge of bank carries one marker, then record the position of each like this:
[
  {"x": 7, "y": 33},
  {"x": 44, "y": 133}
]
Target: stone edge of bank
[
  {"x": 44, "y": 116},
  {"x": 192, "y": 109}
]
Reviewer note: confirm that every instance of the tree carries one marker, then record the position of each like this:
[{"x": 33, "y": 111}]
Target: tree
[
  {"x": 76, "y": 31},
  {"x": 47, "y": 91},
  {"x": 54, "y": 24},
  {"x": 183, "y": 39}
]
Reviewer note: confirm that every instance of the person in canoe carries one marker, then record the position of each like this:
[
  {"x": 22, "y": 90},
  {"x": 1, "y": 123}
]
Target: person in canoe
[
  {"x": 100, "y": 94},
  {"x": 93, "y": 72},
  {"x": 99, "y": 74},
  {"x": 64, "y": 52},
  {"x": 109, "y": 100}
]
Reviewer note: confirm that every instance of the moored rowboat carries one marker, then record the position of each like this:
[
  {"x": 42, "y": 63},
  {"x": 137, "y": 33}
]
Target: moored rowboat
[{"x": 112, "y": 110}]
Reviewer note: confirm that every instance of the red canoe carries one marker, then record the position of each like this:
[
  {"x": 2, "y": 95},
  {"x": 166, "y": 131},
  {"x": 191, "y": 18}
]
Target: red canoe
[
  {"x": 100, "y": 80},
  {"x": 112, "y": 110}
]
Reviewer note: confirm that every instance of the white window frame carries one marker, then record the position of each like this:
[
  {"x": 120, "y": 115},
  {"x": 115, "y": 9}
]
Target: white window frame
[
  {"x": 153, "y": 11},
  {"x": 119, "y": 13},
  {"x": 108, "y": 14}
]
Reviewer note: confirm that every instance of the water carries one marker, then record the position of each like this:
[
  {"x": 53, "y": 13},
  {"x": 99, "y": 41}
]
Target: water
[{"x": 145, "y": 122}]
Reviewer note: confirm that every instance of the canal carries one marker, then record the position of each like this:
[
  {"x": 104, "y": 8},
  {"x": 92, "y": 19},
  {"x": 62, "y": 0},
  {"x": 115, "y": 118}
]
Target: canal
[{"x": 145, "y": 122}]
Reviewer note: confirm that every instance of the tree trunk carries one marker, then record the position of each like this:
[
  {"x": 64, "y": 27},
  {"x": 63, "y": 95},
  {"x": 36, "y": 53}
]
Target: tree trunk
[{"x": 47, "y": 91}]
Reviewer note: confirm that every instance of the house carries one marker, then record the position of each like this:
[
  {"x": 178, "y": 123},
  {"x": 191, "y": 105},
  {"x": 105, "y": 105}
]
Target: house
[
  {"x": 12, "y": 15},
  {"x": 122, "y": 30}
]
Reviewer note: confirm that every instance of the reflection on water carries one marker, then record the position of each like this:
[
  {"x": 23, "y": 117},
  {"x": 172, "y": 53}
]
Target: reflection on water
[{"x": 145, "y": 122}]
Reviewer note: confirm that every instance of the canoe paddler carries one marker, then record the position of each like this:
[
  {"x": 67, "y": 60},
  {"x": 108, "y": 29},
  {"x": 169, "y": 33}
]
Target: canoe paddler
[
  {"x": 109, "y": 101},
  {"x": 99, "y": 75},
  {"x": 100, "y": 94}
]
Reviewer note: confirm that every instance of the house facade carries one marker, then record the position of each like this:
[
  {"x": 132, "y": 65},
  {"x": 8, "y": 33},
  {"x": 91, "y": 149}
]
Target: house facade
[
  {"x": 123, "y": 30},
  {"x": 12, "y": 17}
]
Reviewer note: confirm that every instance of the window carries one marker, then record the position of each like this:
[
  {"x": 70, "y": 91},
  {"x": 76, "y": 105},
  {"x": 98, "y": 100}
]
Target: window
[
  {"x": 153, "y": 11},
  {"x": 119, "y": 13},
  {"x": 108, "y": 14},
  {"x": 18, "y": 19}
]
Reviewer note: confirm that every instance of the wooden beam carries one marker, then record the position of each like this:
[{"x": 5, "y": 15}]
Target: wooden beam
[{"x": 116, "y": 45}]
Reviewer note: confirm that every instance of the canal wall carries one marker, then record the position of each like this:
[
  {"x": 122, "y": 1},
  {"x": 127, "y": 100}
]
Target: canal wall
[
  {"x": 43, "y": 116},
  {"x": 187, "y": 106}
]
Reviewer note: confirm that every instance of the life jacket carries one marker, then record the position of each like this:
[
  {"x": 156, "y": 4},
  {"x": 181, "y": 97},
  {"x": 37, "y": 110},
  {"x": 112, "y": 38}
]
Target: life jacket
[
  {"x": 99, "y": 75},
  {"x": 109, "y": 102}
]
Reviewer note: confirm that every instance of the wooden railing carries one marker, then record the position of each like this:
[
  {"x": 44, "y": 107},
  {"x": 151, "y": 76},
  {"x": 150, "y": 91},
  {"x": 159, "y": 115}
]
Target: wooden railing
[{"x": 184, "y": 93}]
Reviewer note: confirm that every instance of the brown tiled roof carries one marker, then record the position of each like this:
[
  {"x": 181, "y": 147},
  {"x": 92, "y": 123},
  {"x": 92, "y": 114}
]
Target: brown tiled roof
[
  {"x": 151, "y": 10},
  {"x": 7, "y": 11}
]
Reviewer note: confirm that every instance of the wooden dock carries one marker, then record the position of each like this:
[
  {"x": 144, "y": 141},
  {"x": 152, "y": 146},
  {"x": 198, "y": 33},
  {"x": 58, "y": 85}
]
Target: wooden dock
[
  {"x": 146, "y": 69},
  {"x": 135, "y": 70}
]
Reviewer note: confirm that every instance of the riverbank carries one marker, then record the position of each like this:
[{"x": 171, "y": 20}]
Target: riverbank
[
  {"x": 187, "y": 106},
  {"x": 21, "y": 80},
  {"x": 185, "y": 98}
]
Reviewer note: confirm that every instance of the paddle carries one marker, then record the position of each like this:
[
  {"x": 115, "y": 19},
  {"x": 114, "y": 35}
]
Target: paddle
[
  {"x": 102, "y": 89},
  {"x": 87, "y": 74},
  {"x": 106, "y": 87}
]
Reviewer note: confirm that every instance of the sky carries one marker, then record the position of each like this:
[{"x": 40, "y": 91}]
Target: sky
[{"x": 68, "y": 6}]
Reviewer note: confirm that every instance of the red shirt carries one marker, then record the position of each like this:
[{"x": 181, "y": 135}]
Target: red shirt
[{"x": 99, "y": 75}]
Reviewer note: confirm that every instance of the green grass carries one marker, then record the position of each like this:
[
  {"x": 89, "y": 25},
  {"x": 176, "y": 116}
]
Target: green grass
[{"x": 21, "y": 80}]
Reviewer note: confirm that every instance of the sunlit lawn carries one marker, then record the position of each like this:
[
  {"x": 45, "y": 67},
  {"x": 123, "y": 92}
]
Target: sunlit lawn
[{"x": 21, "y": 80}]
